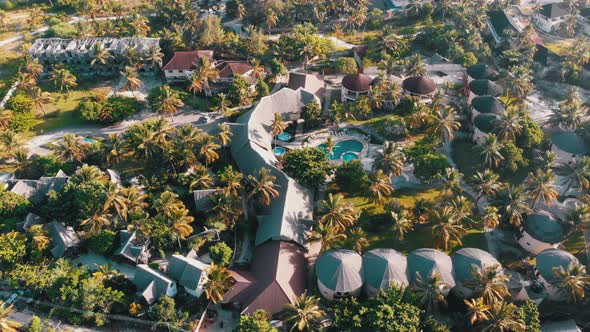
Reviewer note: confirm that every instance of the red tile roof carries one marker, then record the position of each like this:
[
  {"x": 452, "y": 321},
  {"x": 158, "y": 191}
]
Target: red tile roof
[
  {"x": 186, "y": 60},
  {"x": 277, "y": 276},
  {"x": 228, "y": 69}
]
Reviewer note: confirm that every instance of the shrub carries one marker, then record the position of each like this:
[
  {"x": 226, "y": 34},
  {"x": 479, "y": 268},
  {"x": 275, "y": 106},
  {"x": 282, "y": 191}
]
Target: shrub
[
  {"x": 110, "y": 111},
  {"x": 262, "y": 89},
  {"x": 312, "y": 114},
  {"x": 346, "y": 65},
  {"x": 308, "y": 166},
  {"x": 63, "y": 30},
  {"x": 39, "y": 166},
  {"x": 13, "y": 205},
  {"x": 102, "y": 242},
  {"x": 36, "y": 325},
  {"x": 23, "y": 118},
  {"x": 351, "y": 177},
  {"x": 221, "y": 254}
]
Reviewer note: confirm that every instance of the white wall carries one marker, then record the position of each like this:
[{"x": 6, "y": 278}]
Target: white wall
[
  {"x": 533, "y": 245},
  {"x": 479, "y": 136},
  {"x": 562, "y": 156},
  {"x": 329, "y": 294}
]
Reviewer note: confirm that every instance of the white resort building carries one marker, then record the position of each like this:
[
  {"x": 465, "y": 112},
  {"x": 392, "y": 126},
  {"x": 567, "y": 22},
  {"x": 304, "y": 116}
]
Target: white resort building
[
  {"x": 551, "y": 16},
  {"x": 546, "y": 262},
  {"x": 340, "y": 274},
  {"x": 540, "y": 231},
  {"x": 354, "y": 86}
]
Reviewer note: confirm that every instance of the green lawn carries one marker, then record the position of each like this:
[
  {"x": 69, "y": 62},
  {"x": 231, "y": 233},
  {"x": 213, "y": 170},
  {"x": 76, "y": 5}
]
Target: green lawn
[{"x": 375, "y": 222}]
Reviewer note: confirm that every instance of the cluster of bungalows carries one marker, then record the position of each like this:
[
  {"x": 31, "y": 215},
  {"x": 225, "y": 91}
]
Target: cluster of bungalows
[
  {"x": 344, "y": 273},
  {"x": 356, "y": 85},
  {"x": 80, "y": 54},
  {"x": 183, "y": 64}
]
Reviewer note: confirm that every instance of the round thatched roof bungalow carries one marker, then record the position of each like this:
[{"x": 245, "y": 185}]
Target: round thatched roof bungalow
[
  {"x": 486, "y": 105},
  {"x": 485, "y": 87},
  {"x": 339, "y": 273},
  {"x": 422, "y": 263},
  {"x": 483, "y": 125},
  {"x": 420, "y": 86},
  {"x": 382, "y": 269},
  {"x": 482, "y": 71},
  {"x": 548, "y": 260},
  {"x": 354, "y": 86},
  {"x": 540, "y": 231},
  {"x": 465, "y": 262}
]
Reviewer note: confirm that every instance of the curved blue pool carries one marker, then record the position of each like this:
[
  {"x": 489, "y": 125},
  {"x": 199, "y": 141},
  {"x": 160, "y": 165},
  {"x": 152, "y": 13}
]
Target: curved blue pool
[
  {"x": 279, "y": 151},
  {"x": 349, "y": 156},
  {"x": 342, "y": 148},
  {"x": 284, "y": 137}
]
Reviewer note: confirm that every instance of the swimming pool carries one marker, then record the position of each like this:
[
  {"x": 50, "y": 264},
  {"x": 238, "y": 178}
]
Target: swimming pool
[
  {"x": 343, "y": 147},
  {"x": 349, "y": 156},
  {"x": 89, "y": 140},
  {"x": 279, "y": 151},
  {"x": 284, "y": 137}
]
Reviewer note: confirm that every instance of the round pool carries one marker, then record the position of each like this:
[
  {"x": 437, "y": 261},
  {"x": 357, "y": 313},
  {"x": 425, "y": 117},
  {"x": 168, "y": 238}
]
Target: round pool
[
  {"x": 284, "y": 137},
  {"x": 342, "y": 147},
  {"x": 279, "y": 151},
  {"x": 349, "y": 156}
]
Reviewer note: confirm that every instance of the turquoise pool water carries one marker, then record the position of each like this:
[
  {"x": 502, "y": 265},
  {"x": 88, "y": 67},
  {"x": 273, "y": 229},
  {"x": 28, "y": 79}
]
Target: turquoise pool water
[
  {"x": 349, "y": 156},
  {"x": 279, "y": 151},
  {"x": 341, "y": 149},
  {"x": 89, "y": 140},
  {"x": 284, "y": 137}
]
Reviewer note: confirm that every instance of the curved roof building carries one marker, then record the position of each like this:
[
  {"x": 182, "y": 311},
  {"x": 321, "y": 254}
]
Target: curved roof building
[
  {"x": 465, "y": 262},
  {"x": 540, "y": 231},
  {"x": 357, "y": 82},
  {"x": 419, "y": 85},
  {"x": 340, "y": 273},
  {"x": 482, "y": 71},
  {"x": 425, "y": 261},
  {"x": 488, "y": 105},
  {"x": 485, "y": 87},
  {"x": 553, "y": 258},
  {"x": 383, "y": 268}
]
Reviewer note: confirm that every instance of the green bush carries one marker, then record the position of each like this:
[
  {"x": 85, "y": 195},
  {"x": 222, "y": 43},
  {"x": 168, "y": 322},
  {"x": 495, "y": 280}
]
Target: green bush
[
  {"x": 308, "y": 166},
  {"x": 346, "y": 65},
  {"x": 351, "y": 177},
  {"x": 39, "y": 166},
  {"x": 221, "y": 254},
  {"x": 102, "y": 242},
  {"x": 110, "y": 111},
  {"x": 13, "y": 205},
  {"x": 36, "y": 325}
]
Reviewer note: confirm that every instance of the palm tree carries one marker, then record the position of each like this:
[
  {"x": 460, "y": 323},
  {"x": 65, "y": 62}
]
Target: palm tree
[
  {"x": 135, "y": 198},
  {"x": 71, "y": 148},
  {"x": 169, "y": 101},
  {"x": 402, "y": 224},
  {"x": 132, "y": 80},
  {"x": 485, "y": 183},
  {"x": 490, "y": 218},
  {"x": 416, "y": 66},
  {"x": 10, "y": 141},
  {"x": 278, "y": 126},
  {"x": 222, "y": 105},
  {"x": 140, "y": 25},
  {"x": 257, "y": 70},
  {"x": 7, "y": 325},
  {"x": 430, "y": 291},
  {"x": 33, "y": 67},
  {"x": 304, "y": 314},
  {"x": 155, "y": 56},
  {"x": 64, "y": 79},
  {"x": 329, "y": 145},
  {"x": 477, "y": 310},
  {"x": 40, "y": 236},
  {"x": 509, "y": 124},
  {"x": 40, "y": 98},
  {"x": 115, "y": 199},
  {"x": 570, "y": 114},
  {"x": 101, "y": 55},
  {"x": 208, "y": 151},
  {"x": 336, "y": 213},
  {"x": 390, "y": 159},
  {"x": 575, "y": 174},
  {"x": 572, "y": 281},
  {"x": 450, "y": 182},
  {"x": 178, "y": 217},
  {"x": 540, "y": 186},
  {"x": 96, "y": 223},
  {"x": 225, "y": 134},
  {"x": 271, "y": 19},
  {"x": 204, "y": 72},
  {"x": 444, "y": 125},
  {"x": 512, "y": 204},
  {"x": 199, "y": 178},
  {"x": 489, "y": 283},
  {"x": 380, "y": 189},
  {"x": 503, "y": 317},
  {"x": 218, "y": 283},
  {"x": 358, "y": 238},
  {"x": 263, "y": 186},
  {"x": 88, "y": 173},
  {"x": 446, "y": 228},
  {"x": 331, "y": 238},
  {"x": 491, "y": 151}
]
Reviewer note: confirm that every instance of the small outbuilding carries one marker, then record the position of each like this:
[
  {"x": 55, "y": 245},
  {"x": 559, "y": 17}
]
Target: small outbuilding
[
  {"x": 153, "y": 284},
  {"x": 355, "y": 86},
  {"x": 540, "y": 231},
  {"x": 340, "y": 274},
  {"x": 422, "y": 263},
  {"x": 382, "y": 269},
  {"x": 548, "y": 260},
  {"x": 465, "y": 262},
  {"x": 189, "y": 272}
]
